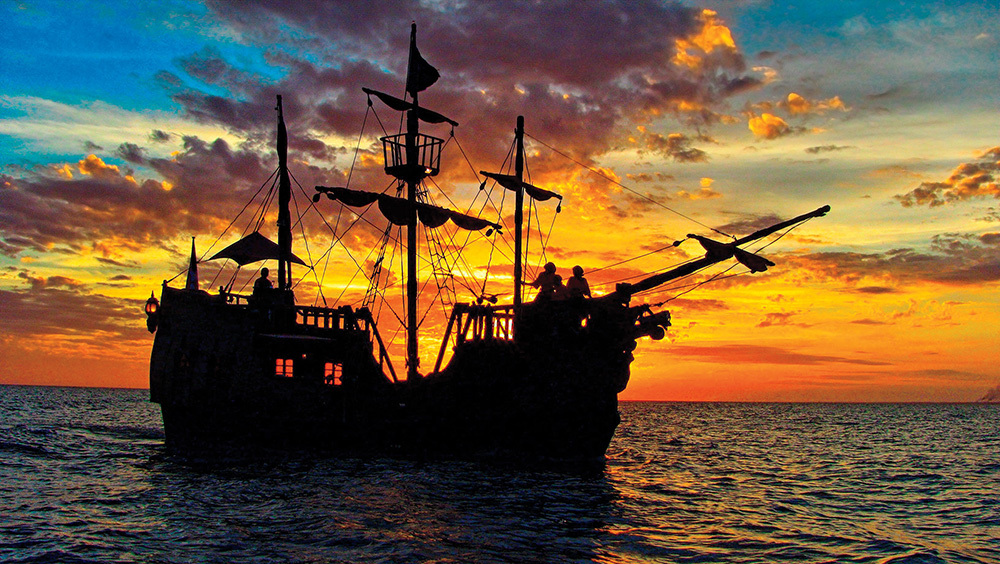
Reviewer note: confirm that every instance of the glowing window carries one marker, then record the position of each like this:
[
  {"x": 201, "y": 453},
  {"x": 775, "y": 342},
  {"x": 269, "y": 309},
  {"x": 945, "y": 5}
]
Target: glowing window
[
  {"x": 332, "y": 373},
  {"x": 283, "y": 367}
]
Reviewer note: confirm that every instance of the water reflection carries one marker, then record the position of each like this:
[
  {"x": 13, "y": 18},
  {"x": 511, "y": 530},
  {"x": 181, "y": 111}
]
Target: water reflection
[
  {"x": 86, "y": 479},
  {"x": 392, "y": 509}
]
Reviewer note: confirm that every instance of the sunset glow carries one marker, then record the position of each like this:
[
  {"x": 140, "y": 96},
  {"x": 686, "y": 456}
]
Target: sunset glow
[{"x": 129, "y": 129}]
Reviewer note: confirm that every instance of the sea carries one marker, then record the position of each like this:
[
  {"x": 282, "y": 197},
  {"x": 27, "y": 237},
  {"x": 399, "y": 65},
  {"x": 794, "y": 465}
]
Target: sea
[{"x": 85, "y": 477}]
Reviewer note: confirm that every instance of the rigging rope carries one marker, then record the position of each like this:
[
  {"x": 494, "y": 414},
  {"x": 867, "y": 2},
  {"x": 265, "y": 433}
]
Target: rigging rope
[{"x": 639, "y": 194}]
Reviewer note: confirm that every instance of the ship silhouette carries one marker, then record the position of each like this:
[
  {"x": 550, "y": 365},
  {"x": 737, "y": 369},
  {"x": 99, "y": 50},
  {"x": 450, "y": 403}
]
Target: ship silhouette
[{"x": 536, "y": 378}]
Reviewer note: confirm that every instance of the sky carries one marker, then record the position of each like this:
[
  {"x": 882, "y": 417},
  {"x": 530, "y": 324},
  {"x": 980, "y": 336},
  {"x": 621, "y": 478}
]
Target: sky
[{"x": 126, "y": 128}]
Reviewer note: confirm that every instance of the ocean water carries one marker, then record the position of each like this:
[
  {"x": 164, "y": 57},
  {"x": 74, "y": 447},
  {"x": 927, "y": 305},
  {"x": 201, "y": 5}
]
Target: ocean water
[{"x": 84, "y": 477}]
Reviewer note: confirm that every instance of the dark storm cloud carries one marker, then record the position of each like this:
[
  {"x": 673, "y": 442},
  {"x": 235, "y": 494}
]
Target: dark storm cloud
[{"x": 576, "y": 69}]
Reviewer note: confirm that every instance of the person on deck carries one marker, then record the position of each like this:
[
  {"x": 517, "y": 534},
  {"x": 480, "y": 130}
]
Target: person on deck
[
  {"x": 546, "y": 282},
  {"x": 262, "y": 286},
  {"x": 559, "y": 292},
  {"x": 577, "y": 286}
]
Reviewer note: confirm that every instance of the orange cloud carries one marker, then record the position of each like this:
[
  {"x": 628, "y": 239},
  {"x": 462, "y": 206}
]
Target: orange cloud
[
  {"x": 92, "y": 165},
  {"x": 768, "y": 126},
  {"x": 705, "y": 193},
  {"x": 796, "y": 104},
  {"x": 969, "y": 180},
  {"x": 713, "y": 36}
]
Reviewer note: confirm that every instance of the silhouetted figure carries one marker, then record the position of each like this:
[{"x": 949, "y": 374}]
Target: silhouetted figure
[
  {"x": 559, "y": 291},
  {"x": 262, "y": 286},
  {"x": 546, "y": 282},
  {"x": 577, "y": 286}
]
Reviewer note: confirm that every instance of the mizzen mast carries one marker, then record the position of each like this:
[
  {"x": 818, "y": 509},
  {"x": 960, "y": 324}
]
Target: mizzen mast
[
  {"x": 284, "y": 216},
  {"x": 518, "y": 210}
]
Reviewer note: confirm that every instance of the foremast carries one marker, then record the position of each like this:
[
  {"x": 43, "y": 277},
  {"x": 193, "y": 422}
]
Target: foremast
[{"x": 520, "y": 188}]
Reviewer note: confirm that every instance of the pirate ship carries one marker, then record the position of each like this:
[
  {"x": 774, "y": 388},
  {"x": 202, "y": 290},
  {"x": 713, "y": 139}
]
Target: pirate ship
[{"x": 539, "y": 378}]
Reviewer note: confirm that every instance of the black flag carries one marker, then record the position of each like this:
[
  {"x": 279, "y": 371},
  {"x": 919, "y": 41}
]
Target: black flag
[{"x": 420, "y": 73}]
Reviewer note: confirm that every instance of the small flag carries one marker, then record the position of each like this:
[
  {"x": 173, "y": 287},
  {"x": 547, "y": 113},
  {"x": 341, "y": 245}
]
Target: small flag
[
  {"x": 192, "y": 278},
  {"x": 420, "y": 73}
]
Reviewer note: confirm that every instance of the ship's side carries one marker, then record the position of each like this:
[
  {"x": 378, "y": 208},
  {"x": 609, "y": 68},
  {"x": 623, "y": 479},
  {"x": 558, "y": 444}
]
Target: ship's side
[
  {"x": 222, "y": 374},
  {"x": 238, "y": 373}
]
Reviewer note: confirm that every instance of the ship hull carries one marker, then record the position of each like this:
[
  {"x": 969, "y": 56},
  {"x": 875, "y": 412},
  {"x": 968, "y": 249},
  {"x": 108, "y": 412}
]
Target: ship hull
[{"x": 213, "y": 373}]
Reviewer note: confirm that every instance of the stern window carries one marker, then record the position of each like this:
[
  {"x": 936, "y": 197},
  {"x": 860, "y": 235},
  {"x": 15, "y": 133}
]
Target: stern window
[
  {"x": 332, "y": 373},
  {"x": 283, "y": 367}
]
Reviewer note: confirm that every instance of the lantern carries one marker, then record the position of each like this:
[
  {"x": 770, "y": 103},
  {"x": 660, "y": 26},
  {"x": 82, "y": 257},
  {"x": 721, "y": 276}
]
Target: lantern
[{"x": 152, "y": 306}]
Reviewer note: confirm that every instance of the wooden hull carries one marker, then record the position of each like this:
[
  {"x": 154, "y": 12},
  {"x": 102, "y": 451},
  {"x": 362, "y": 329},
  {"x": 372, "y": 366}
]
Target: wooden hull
[{"x": 213, "y": 373}]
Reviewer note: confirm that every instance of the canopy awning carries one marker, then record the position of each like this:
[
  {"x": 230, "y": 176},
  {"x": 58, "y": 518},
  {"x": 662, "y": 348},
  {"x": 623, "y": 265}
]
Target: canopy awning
[{"x": 252, "y": 248}]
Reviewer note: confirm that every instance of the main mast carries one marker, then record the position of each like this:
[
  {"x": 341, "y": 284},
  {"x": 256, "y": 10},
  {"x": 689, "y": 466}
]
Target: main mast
[{"x": 412, "y": 162}]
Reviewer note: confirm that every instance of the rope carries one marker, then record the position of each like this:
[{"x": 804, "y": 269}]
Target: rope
[
  {"x": 619, "y": 263},
  {"x": 639, "y": 194}
]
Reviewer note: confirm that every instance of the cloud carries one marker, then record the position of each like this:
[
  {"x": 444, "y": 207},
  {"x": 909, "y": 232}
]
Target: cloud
[
  {"x": 759, "y": 354},
  {"x": 203, "y": 187},
  {"x": 706, "y": 192},
  {"x": 874, "y": 290},
  {"x": 159, "y": 136},
  {"x": 781, "y": 319},
  {"x": 827, "y": 148},
  {"x": 953, "y": 258},
  {"x": 676, "y": 146},
  {"x": 978, "y": 179},
  {"x": 795, "y": 104},
  {"x": 768, "y": 126},
  {"x": 582, "y": 77},
  {"x": 748, "y": 223}
]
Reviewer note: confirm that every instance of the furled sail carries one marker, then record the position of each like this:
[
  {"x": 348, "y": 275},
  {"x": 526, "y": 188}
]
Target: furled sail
[
  {"x": 252, "y": 248},
  {"x": 401, "y": 105},
  {"x": 510, "y": 182},
  {"x": 399, "y": 210}
]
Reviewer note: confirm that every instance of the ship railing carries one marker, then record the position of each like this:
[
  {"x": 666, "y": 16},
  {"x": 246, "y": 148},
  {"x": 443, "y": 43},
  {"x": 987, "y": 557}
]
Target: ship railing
[
  {"x": 326, "y": 318},
  {"x": 394, "y": 151},
  {"x": 471, "y": 322},
  {"x": 346, "y": 318}
]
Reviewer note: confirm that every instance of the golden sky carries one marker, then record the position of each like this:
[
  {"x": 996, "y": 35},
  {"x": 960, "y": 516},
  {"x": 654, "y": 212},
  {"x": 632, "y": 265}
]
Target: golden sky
[{"x": 129, "y": 129}]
